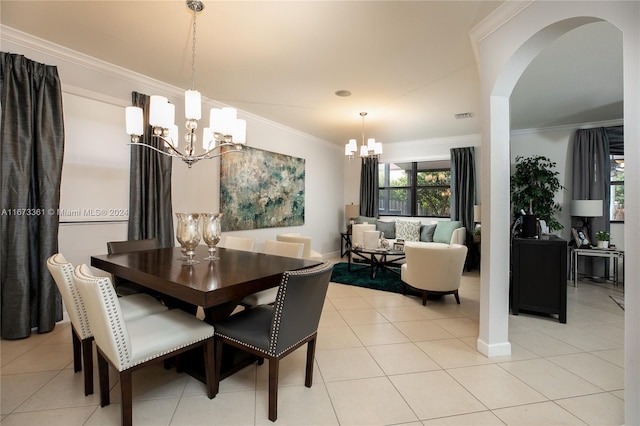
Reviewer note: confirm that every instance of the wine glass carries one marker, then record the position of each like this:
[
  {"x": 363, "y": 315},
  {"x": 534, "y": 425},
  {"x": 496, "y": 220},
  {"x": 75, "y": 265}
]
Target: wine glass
[
  {"x": 211, "y": 232},
  {"x": 188, "y": 234}
]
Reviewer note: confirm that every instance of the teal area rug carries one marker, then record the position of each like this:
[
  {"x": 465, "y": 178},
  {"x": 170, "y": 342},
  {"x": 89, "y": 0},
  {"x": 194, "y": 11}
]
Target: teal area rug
[{"x": 360, "y": 276}]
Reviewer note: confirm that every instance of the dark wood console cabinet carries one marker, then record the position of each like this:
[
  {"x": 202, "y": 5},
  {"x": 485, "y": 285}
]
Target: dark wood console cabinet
[{"x": 539, "y": 276}]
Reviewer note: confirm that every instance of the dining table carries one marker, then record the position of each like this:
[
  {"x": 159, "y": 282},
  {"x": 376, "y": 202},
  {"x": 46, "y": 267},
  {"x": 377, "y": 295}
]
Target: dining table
[{"x": 215, "y": 285}]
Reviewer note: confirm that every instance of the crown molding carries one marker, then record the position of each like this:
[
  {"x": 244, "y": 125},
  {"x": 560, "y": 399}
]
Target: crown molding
[{"x": 496, "y": 19}]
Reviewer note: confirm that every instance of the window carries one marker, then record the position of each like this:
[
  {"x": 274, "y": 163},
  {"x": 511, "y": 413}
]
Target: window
[
  {"x": 414, "y": 189},
  {"x": 616, "y": 208}
]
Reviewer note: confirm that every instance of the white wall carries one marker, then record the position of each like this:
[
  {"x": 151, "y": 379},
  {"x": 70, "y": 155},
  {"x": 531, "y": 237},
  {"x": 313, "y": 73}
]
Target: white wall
[{"x": 99, "y": 86}]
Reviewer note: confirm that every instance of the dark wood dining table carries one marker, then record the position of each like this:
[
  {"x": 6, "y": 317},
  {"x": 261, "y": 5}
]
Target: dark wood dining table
[{"x": 215, "y": 285}]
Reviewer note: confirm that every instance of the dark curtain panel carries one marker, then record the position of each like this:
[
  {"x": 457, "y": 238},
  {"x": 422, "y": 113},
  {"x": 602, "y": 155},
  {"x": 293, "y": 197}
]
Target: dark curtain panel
[
  {"x": 591, "y": 170},
  {"x": 369, "y": 187},
  {"x": 150, "y": 211},
  {"x": 616, "y": 139},
  {"x": 463, "y": 186},
  {"x": 32, "y": 130}
]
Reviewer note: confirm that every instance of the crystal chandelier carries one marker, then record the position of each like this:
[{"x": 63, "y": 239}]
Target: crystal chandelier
[
  {"x": 370, "y": 149},
  {"x": 224, "y": 128}
]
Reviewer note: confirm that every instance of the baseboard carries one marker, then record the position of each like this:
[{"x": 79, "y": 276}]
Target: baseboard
[{"x": 493, "y": 350}]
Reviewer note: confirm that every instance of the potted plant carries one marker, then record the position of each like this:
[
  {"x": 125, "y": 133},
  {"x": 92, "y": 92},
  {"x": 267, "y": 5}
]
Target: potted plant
[
  {"x": 533, "y": 186},
  {"x": 476, "y": 234},
  {"x": 603, "y": 238}
]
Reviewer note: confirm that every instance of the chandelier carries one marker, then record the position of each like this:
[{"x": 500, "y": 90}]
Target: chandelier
[
  {"x": 225, "y": 129},
  {"x": 370, "y": 149}
]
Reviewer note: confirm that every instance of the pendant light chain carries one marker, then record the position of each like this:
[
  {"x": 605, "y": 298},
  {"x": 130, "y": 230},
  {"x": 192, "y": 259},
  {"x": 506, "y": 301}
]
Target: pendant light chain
[{"x": 193, "y": 52}]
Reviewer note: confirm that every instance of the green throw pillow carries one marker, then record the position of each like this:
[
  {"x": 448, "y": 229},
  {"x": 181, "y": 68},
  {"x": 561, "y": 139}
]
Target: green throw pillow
[
  {"x": 426, "y": 233},
  {"x": 389, "y": 228},
  {"x": 444, "y": 230},
  {"x": 408, "y": 230}
]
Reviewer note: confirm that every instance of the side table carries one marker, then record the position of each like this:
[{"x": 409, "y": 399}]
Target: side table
[
  {"x": 614, "y": 254},
  {"x": 345, "y": 243}
]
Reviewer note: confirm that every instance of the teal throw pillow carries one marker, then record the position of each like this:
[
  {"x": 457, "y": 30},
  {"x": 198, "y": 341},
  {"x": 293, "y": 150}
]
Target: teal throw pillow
[
  {"x": 408, "y": 230},
  {"x": 365, "y": 219},
  {"x": 388, "y": 228},
  {"x": 426, "y": 233},
  {"x": 444, "y": 230}
]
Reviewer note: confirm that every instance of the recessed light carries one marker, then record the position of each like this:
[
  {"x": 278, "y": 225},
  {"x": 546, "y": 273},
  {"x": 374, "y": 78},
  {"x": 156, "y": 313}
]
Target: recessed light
[{"x": 343, "y": 93}]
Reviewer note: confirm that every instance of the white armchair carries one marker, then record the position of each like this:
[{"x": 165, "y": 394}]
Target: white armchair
[{"x": 433, "y": 268}]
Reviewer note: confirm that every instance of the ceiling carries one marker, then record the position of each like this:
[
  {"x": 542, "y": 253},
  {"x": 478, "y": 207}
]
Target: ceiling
[{"x": 410, "y": 65}]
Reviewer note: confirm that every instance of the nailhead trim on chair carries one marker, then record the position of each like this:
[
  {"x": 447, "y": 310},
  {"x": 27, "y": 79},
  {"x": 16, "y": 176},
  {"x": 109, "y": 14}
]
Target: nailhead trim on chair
[{"x": 67, "y": 269}]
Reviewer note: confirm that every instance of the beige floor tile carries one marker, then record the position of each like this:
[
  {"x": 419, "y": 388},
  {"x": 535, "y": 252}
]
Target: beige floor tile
[
  {"x": 582, "y": 339},
  {"x": 459, "y": 327},
  {"x": 337, "y": 337},
  {"x": 547, "y": 378},
  {"x": 495, "y": 387},
  {"x": 387, "y": 300},
  {"x": 379, "y": 334},
  {"x": 598, "y": 409},
  {"x": 229, "y": 408},
  {"x": 58, "y": 416},
  {"x": 297, "y": 405},
  {"x": 614, "y": 356},
  {"x": 422, "y": 330},
  {"x": 331, "y": 319},
  {"x": 145, "y": 413},
  {"x": 542, "y": 344},
  {"x": 363, "y": 316},
  {"x": 483, "y": 418},
  {"x": 402, "y": 358},
  {"x": 403, "y": 313},
  {"x": 292, "y": 370},
  {"x": 452, "y": 353},
  {"x": 16, "y": 388},
  {"x": 41, "y": 358},
  {"x": 543, "y": 413},
  {"x": 434, "y": 394},
  {"x": 347, "y": 303},
  {"x": 593, "y": 369},
  {"x": 339, "y": 291},
  {"x": 347, "y": 364},
  {"x": 369, "y": 402}
]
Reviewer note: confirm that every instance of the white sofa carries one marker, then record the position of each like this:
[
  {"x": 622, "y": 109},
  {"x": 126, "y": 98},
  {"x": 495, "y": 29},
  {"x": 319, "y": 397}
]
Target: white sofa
[{"x": 458, "y": 235}]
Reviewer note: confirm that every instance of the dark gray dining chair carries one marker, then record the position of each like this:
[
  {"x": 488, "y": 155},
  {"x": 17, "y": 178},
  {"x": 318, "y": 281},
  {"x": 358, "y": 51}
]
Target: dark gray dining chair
[
  {"x": 125, "y": 287},
  {"x": 275, "y": 331}
]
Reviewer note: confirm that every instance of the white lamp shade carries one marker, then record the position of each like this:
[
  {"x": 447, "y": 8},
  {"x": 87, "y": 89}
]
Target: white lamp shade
[
  {"x": 192, "y": 105},
  {"x": 347, "y": 150},
  {"x": 240, "y": 131},
  {"x": 377, "y": 150},
  {"x": 364, "y": 151},
  {"x": 215, "y": 119},
  {"x": 207, "y": 139},
  {"x": 477, "y": 212},
  {"x": 134, "y": 120},
  {"x": 156, "y": 110},
  {"x": 586, "y": 208},
  {"x": 371, "y": 144},
  {"x": 353, "y": 145},
  {"x": 169, "y": 119},
  {"x": 228, "y": 121}
]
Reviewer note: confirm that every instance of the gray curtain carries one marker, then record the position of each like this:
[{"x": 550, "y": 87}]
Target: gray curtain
[
  {"x": 369, "y": 187},
  {"x": 32, "y": 132},
  {"x": 150, "y": 210},
  {"x": 463, "y": 186},
  {"x": 591, "y": 173}
]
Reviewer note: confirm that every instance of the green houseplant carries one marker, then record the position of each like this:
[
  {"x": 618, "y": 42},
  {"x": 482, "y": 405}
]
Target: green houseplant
[
  {"x": 534, "y": 184},
  {"x": 603, "y": 238}
]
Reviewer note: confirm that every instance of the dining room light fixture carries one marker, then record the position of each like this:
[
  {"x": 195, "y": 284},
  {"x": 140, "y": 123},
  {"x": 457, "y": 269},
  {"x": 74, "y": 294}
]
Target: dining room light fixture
[
  {"x": 370, "y": 149},
  {"x": 225, "y": 129}
]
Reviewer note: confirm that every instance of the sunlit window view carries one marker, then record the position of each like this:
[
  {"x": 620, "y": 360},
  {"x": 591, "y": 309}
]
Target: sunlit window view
[
  {"x": 414, "y": 189},
  {"x": 616, "y": 207}
]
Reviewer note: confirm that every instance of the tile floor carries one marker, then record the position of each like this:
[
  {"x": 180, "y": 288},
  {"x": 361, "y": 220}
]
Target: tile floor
[{"x": 381, "y": 359}]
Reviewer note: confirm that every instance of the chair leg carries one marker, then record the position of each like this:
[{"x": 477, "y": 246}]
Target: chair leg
[
  {"x": 455, "y": 293},
  {"x": 126, "y": 393},
  {"x": 424, "y": 298},
  {"x": 87, "y": 359},
  {"x": 77, "y": 351},
  {"x": 103, "y": 377},
  {"x": 218, "y": 359},
  {"x": 209, "y": 368},
  {"x": 311, "y": 351},
  {"x": 273, "y": 388}
]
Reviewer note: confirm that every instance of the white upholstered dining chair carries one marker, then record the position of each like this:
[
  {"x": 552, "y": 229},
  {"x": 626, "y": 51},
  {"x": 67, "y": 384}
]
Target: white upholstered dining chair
[
  {"x": 130, "y": 345},
  {"x": 278, "y": 248},
  {"x": 133, "y": 306},
  {"x": 308, "y": 252},
  {"x": 237, "y": 243}
]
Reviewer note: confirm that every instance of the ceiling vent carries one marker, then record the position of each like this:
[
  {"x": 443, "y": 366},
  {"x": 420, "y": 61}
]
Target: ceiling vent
[{"x": 463, "y": 115}]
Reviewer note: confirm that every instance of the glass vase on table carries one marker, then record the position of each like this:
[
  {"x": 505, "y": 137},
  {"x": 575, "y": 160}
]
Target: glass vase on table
[
  {"x": 188, "y": 234},
  {"x": 211, "y": 232}
]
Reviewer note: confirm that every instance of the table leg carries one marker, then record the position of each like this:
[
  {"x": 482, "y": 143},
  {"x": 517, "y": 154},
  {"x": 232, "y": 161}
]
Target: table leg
[{"x": 575, "y": 268}]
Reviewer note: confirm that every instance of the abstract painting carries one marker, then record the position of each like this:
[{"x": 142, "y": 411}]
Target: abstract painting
[{"x": 261, "y": 189}]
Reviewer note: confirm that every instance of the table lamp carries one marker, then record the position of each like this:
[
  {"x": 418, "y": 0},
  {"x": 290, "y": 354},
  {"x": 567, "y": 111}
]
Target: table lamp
[
  {"x": 586, "y": 209},
  {"x": 351, "y": 212}
]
